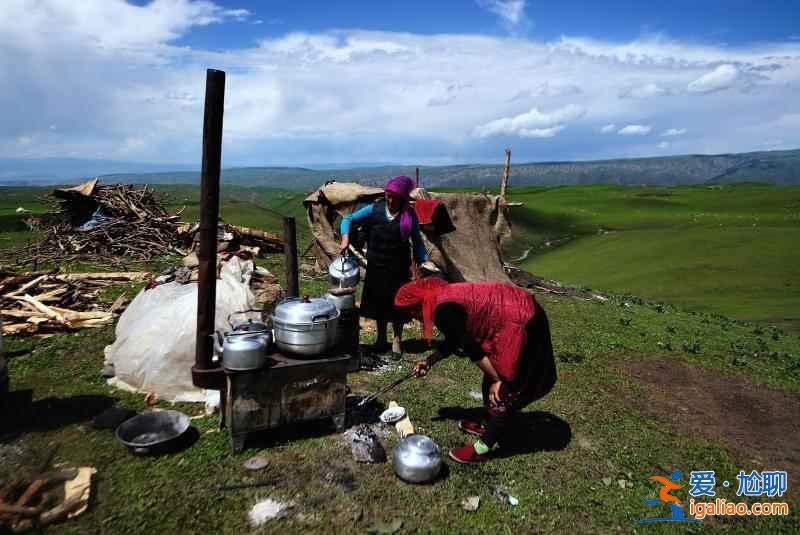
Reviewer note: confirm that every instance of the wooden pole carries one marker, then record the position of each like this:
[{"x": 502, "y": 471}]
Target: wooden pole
[
  {"x": 290, "y": 250},
  {"x": 209, "y": 218},
  {"x": 506, "y": 170}
]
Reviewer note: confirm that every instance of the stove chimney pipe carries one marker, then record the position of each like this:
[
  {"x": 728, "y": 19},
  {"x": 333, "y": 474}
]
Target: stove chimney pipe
[
  {"x": 204, "y": 375},
  {"x": 290, "y": 249}
]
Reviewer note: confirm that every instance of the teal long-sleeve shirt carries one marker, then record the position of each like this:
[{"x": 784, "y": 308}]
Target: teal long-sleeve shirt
[{"x": 416, "y": 236}]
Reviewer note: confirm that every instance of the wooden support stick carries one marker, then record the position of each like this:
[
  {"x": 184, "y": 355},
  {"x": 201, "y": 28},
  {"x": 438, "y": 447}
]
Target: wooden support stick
[{"x": 506, "y": 170}]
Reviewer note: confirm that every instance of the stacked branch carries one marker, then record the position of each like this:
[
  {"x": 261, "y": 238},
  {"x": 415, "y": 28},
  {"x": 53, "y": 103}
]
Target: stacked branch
[
  {"x": 50, "y": 302},
  {"x": 102, "y": 222}
]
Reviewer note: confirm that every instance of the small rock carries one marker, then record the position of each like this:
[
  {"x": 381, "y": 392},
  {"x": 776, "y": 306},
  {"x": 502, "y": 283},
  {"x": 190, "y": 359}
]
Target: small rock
[
  {"x": 513, "y": 500},
  {"x": 256, "y": 463},
  {"x": 607, "y": 481},
  {"x": 471, "y": 503},
  {"x": 477, "y": 396},
  {"x": 365, "y": 445},
  {"x": 108, "y": 370},
  {"x": 622, "y": 483}
]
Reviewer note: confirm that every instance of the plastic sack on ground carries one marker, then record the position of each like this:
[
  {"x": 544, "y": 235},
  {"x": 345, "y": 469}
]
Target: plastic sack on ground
[{"x": 155, "y": 342}]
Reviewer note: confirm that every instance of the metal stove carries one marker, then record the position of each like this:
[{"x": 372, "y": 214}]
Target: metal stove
[{"x": 286, "y": 391}]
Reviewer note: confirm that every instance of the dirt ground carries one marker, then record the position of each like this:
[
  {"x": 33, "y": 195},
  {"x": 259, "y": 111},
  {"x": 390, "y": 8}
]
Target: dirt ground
[{"x": 758, "y": 425}]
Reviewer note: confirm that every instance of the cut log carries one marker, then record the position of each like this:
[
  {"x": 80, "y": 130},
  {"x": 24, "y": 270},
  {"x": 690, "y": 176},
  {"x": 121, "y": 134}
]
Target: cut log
[{"x": 124, "y": 275}]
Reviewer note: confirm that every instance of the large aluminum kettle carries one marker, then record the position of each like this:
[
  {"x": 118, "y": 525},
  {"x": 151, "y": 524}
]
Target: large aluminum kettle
[
  {"x": 245, "y": 348},
  {"x": 344, "y": 271}
]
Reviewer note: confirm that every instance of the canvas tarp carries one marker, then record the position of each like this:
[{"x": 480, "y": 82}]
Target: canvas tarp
[{"x": 471, "y": 252}]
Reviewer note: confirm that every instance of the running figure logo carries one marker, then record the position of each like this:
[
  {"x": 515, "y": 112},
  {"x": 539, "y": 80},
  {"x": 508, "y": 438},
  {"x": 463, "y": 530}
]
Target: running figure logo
[{"x": 664, "y": 497}]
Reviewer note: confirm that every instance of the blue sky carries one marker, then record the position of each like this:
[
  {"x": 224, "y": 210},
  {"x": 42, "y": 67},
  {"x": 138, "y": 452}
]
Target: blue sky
[
  {"x": 732, "y": 22},
  {"x": 408, "y": 82}
]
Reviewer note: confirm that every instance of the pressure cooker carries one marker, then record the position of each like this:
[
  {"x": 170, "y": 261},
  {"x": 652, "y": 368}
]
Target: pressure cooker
[{"x": 305, "y": 326}]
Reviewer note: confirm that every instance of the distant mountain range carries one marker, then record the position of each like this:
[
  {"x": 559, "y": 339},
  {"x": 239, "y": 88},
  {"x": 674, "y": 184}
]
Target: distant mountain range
[{"x": 777, "y": 167}]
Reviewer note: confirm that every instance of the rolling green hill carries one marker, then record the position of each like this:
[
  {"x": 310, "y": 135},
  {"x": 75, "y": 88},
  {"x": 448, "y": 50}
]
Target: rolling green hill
[
  {"x": 777, "y": 167},
  {"x": 725, "y": 249},
  {"x": 728, "y": 249}
]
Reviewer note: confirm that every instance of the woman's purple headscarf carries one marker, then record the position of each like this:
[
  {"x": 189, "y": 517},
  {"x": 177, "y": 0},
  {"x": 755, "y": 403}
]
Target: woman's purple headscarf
[{"x": 403, "y": 186}]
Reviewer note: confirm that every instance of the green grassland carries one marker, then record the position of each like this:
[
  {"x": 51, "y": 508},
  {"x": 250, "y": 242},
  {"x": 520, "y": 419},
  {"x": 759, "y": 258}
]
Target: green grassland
[
  {"x": 587, "y": 440},
  {"x": 724, "y": 249},
  {"x": 586, "y": 437}
]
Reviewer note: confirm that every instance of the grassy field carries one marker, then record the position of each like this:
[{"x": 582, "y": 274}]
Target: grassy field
[
  {"x": 584, "y": 454},
  {"x": 723, "y": 249},
  {"x": 586, "y": 438}
]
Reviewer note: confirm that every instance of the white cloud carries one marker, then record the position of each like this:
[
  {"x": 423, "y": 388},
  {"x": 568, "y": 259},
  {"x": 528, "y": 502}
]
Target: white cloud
[
  {"x": 720, "y": 78},
  {"x": 674, "y": 132},
  {"x": 547, "y": 90},
  {"x": 645, "y": 91},
  {"x": 348, "y": 94},
  {"x": 635, "y": 130},
  {"x": 663, "y": 145},
  {"x": 511, "y": 12},
  {"x": 541, "y": 132},
  {"x": 533, "y": 123},
  {"x": 609, "y": 128}
]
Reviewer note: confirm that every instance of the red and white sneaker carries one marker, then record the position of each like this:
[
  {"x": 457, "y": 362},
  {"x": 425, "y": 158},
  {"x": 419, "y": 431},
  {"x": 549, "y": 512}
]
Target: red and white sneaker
[
  {"x": 468, "y": 455},
  {"x": 472, "y": 428}
]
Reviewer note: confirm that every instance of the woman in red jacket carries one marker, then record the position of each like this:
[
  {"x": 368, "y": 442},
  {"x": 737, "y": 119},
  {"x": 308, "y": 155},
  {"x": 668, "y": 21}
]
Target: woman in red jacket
[{"x": 503, "y": 330}]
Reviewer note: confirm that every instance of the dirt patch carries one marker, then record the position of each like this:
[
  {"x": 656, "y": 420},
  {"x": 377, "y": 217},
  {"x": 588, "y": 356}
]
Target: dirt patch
[{"x": 759, "y": 425}]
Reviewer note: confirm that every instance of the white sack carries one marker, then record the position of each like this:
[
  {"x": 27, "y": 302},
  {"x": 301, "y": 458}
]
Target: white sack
[{"x": 155, "y": 342}]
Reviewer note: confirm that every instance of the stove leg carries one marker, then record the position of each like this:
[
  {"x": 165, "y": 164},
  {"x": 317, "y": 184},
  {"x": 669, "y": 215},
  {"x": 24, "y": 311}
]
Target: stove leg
[
  {"x": 237, "y": 443},
  {"x": 338, "y": 422}
]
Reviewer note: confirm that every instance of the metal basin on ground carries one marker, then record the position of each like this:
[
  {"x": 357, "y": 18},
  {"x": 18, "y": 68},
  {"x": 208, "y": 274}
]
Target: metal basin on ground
[{"x": 152, "y": 429}]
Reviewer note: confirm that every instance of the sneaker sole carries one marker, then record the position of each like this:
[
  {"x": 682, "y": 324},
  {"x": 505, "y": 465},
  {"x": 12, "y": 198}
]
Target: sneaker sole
[
  {"x": 461, "y": 461},
  {"x": 469, "y": 431}
]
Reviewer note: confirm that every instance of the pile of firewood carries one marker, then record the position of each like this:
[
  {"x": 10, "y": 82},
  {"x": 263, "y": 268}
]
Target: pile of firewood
[
  {"x": 38, "y": 501},
  {"x": 49, "y": 302},
  {"x": 102, "y": 223}
]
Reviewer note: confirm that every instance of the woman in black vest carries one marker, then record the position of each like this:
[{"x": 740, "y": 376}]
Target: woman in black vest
[{"x": 391, "y": 223}]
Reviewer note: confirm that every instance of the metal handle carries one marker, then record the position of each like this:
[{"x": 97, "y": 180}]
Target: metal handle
[
  {"x": 245, "y": 312},
  {"x": 314, "y": 319}
]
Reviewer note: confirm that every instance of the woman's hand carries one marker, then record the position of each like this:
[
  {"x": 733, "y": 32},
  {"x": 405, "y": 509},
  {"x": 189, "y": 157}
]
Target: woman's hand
[
  {"x": 421, "y": 368},
  {"x": 415, "y": 272},
  {"x": 345, "y": 243},
  {"x": 494, "y": 393}
]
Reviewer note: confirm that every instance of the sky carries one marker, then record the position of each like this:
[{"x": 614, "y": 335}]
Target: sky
[{"x": 399, "y": 82}]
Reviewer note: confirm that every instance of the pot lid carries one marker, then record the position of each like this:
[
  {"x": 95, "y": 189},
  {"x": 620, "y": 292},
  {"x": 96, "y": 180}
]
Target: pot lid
[
  {"x": 305, "y": 310},
  {"x": 249, "y": 326},
  {"x": 341, "y": 291},
  {"x": 420, "y": 444}
]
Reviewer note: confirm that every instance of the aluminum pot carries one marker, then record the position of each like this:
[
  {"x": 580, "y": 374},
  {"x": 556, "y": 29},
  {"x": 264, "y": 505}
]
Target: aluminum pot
[
  {"x": 417, "y": 459},
  {"x": 344, "y": 271},
  {"x": 304, "y": 326},
  {"x": 342, "y": 298}
]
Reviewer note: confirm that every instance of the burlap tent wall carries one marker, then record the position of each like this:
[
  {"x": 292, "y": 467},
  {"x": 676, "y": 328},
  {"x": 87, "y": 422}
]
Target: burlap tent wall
[{"x": 470, "y": 253}]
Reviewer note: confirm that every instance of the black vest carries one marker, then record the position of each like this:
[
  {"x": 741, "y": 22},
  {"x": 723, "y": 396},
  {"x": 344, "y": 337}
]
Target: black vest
[{"x": 385, "y": 248}]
